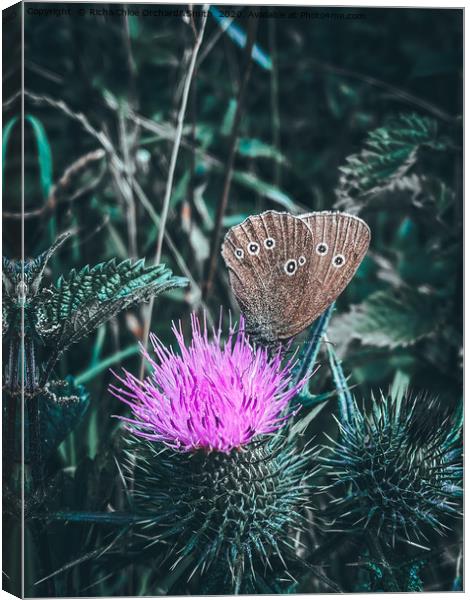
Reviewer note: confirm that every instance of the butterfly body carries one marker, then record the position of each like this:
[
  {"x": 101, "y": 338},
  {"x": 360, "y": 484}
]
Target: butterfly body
[{"x": 286, "y": 270}]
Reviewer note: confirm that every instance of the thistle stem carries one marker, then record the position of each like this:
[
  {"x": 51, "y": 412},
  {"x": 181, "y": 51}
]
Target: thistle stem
[
  {"x": 309, "y": 355},
  {"x": 345, "y": 399}
]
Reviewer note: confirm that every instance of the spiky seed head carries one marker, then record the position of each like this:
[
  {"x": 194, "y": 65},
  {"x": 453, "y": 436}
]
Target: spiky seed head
[
  {"x": 395, "y": 469},
  {"x": 214, "y": 473},
  {"x": 237, "y": 511}
]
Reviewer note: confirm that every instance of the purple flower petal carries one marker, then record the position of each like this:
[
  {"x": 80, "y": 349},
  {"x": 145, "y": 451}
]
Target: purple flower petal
[{"x": 211, "y": 395}]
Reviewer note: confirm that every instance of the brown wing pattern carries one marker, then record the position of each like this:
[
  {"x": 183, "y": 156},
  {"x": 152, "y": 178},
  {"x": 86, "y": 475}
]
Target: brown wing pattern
[
  {"x": 346, "y": 237},
  {"x": 285, "y": 270},
  {"x": 268, "y": 295}
]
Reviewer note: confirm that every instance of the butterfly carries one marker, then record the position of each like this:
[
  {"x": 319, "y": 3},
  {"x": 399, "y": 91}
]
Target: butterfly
[{"x": 285, "y": 270}]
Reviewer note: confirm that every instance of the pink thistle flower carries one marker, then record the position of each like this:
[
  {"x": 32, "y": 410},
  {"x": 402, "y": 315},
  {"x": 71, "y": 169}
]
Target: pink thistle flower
[{"x": 211, "y": 395}]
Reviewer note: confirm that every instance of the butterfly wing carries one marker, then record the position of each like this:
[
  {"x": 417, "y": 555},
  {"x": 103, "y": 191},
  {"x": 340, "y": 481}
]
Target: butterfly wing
[
  {"x": 285, "y": 270},
  {"x": 268, "y": 257},
  {"x": 340, "y": 242}
]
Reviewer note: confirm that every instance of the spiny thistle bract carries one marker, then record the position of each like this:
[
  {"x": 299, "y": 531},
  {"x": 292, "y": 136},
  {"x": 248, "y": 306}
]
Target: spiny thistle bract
[
  {"x": 395, "y": 470},
  {"x": 214, "y": 473}
]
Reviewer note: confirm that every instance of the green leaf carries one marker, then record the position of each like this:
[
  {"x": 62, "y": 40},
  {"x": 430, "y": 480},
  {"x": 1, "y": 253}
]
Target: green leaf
[
  {"x": 390, "y": 319},
  {"x": 263, "y": 188},
  {"x": 239, "y": 37},
  {"x": 388, "y": 153},
  {"x": 229, "y": 117},
  {"x": 301, "y": 425},
  {"x": 232, "y": 220},
  {"x": 254, "y": 148},
  {"x": 253, "y": 183},
  {"x": 134, "y": 26},
  {"x": 307, "y": 400},
  {"x": 104, "y": 364},
  {"x": 44, "y": 155},
  {"x": 34, "y": 269},
  {"x": 400, "y": 385},
  {"x": 5, "y": 139},
  {"x": 62, "y": 409},
  {"x": 181, "y": 189},
  {"x": 74, "y": 306},
  {"x": 98, "y": 345}
]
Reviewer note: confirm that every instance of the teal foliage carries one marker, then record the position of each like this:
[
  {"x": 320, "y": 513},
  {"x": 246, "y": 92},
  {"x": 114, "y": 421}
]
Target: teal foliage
[
  {"x": 410, "y": 309},
  {"x": 58, "y": 315},
  {"x": 62, "y": 408},
  {"x": 85, "y": 299},
  {"x": 55, "y": 317},
  {"x": 233, "y": 516},
  {"x": 43, "y": 150},
  {"x": 389, "y": 153},
  {"x": 395, "y": 318},
  {"x": 415, "y": 583},
  {"x": 238, "y": 35},
  {"x": 377, "y": 579}
]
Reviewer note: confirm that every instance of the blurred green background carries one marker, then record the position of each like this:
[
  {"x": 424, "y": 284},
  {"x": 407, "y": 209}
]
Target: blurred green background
[{"x": 318, "y": 87}]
